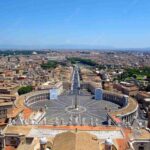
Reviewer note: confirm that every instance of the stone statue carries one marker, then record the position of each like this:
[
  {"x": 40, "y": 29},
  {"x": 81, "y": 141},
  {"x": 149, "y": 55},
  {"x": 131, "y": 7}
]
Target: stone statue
[
  {"x": 91, "y": 122},
  {"x": 13, "y": 122},
  {"x": 83, "y": 121},
  {"x": 44, "y": 120},
  {"x": 96, "y": 122},
  {"x": 76, "y": 120}
]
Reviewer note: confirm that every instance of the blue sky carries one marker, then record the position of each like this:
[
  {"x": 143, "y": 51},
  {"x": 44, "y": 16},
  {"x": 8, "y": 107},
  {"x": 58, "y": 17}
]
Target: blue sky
[{"x": 85, "y": 23}]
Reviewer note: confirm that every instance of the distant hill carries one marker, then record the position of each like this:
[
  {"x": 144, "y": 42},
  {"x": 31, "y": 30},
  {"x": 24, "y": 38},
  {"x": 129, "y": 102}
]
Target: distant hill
[{"x": 70, "y": 47}]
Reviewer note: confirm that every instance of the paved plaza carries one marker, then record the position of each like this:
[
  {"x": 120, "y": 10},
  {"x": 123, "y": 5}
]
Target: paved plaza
[{"x": 89, "y": 112}]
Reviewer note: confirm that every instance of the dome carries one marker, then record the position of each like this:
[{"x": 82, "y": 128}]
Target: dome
[
  {"x": 43, "y": 140},
  {"x": 34, "y": 53},
  {"x": 108, "y": 141}
]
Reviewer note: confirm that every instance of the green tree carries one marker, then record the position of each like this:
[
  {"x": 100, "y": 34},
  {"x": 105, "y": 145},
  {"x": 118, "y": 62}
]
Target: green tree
[
  {"x": 84, "y": 61},
  {"x": 50, "y": 65},
  {"x": 24, "y": 90}
]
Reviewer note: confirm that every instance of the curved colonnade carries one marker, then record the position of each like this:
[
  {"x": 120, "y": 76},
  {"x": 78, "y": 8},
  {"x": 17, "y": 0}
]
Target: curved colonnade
[
  {"x": 129, "y": 107},
  {"x": 36, "y": 96}
]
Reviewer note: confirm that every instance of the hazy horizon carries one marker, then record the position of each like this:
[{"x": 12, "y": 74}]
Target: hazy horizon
[{"x": 82, "y": 47}]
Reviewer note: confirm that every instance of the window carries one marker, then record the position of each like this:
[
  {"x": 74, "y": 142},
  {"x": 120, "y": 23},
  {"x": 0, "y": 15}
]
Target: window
[{"x": 141, "y": 147}]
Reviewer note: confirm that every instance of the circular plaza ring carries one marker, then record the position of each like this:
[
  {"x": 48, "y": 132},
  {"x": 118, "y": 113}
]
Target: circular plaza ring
[{"x": 73, "y": 110}]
